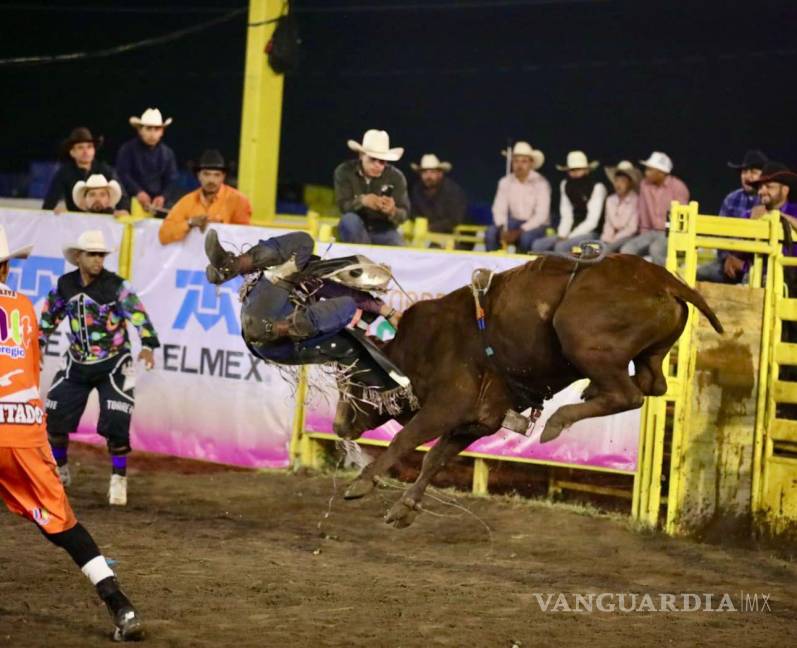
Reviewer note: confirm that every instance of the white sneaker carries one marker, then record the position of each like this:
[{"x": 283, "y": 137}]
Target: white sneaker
[
  {"x": 117, "y": 492},
  {"x": 64, "y": 475}
]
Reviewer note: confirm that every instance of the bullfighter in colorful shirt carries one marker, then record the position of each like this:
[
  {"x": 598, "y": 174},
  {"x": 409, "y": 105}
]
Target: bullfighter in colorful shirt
[{"x": 98, "y": 304}]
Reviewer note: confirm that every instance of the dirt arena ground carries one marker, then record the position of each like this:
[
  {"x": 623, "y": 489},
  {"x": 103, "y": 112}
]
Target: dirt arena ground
[{"x": 220, "y": 557}]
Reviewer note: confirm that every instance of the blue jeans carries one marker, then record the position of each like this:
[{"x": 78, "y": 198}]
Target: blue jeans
[
  {"x": 651, "y": 242},
  {"x": 351, "y": 229},
  {"x": 714, "y": 272},
  {"x": 553, "y": 242},
  {"x": 492, "y": 237}
]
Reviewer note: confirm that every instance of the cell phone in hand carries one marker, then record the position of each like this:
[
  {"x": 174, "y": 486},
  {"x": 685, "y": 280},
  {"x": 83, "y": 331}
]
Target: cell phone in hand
[{"x": 386, "y": 190}]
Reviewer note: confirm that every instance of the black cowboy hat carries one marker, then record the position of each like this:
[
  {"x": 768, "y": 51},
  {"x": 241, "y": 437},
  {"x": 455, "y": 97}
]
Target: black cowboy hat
[
  {"x": 777, "y": 172},
  {"x": 210, "y": 159},
  {"x": 753, "y": 159},
  {"x": 77, "y": 136}
]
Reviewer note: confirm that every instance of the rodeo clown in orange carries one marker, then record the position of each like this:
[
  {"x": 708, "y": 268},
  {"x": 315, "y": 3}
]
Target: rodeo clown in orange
[{"x": 29, "y": 483}]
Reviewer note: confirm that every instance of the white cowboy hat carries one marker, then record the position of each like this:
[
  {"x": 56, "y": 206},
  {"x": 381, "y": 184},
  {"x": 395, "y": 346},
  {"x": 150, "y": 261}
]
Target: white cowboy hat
[
  {"x": 376, "y": 144},
  {"x": 527, "y": 150},
  {"x": 96, "y": 181},
  {"x": 431, "y": 161},
  {"x": 577, "y": 160},
  {"x": 658, "y": 160},
  {"x": 625, "y": 168},
  {"x": 150, "y": 117},
  {"x": 6, "y": 254},
  {"x": 88, "y": 241}
]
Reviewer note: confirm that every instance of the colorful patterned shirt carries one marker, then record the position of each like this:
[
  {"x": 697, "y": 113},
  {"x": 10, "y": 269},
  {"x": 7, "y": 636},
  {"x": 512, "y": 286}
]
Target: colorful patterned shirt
[{"x": 97, "y": 316}]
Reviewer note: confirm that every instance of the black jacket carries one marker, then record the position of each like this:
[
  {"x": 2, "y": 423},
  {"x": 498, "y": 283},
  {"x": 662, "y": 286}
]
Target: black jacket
[{"x": 68, "y": 174}]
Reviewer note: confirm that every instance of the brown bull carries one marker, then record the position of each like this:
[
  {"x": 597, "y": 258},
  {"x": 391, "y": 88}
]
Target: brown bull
[{"x": 548, "y": 326}]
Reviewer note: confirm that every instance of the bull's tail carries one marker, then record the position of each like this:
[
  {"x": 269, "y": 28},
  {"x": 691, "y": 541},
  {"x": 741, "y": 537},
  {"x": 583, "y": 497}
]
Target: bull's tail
[{"x": 681, "y": 291}]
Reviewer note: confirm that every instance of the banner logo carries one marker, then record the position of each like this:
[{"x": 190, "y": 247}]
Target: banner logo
[
  {"x": 35, "y": 276},
  {"x": 206, "y": 303}
]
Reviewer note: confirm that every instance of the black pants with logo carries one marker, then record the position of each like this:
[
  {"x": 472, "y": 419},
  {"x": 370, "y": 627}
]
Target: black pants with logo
[{"x": 114, "y": 380}]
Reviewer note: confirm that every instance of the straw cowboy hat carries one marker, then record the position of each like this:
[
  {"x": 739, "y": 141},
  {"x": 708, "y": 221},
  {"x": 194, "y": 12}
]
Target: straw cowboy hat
[
  {"x": 658, "y": 160},
  {"x": 431, "y": 161},
  {"x": 77, "y": 136},
  {"x": 624, "y": 168},
  {"x": 527, "y": 150},
  {"x": 376, "y": 144},
  {"x": 150, "y": 117},
  {"x": 88, "y": 241},
  {"x": 96, "y": 181},
  {"x": 577, "y": 160},
  {"x": 6, "y": 254}
]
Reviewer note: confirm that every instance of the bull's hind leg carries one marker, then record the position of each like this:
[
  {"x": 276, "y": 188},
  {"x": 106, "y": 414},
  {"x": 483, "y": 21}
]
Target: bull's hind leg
[
  {"x": 405, "y": 510},
  {"x": 613, "y": 391},
  {"x": 648, "y": 375}
]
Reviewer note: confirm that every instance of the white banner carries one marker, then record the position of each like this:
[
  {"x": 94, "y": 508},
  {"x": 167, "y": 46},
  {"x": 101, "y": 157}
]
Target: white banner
[{"x": 208, "y": 397}]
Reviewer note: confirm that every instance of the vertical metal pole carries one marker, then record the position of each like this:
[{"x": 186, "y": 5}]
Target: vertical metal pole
[{"x": 262, "y": 112}]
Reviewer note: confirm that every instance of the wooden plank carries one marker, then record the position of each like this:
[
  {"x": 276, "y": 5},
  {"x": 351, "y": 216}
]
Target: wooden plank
[
  {"x": 787, "y": 309},
  {"x": 736, "y": 228},
  {"x": 786, "y": 353},
  {"x": 783, "y": 430},
  {"x": 714, "y": 458},
  {"x": 785, "y": 392},
  {"x": 736, "y": 245}
]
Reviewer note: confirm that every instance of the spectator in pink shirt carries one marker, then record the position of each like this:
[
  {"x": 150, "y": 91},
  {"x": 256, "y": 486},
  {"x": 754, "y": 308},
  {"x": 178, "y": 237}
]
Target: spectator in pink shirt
[
  {"x": 522, "y": 205},
  {"x": 621, "y": 214},
  {"x": 657, "y": 191}
]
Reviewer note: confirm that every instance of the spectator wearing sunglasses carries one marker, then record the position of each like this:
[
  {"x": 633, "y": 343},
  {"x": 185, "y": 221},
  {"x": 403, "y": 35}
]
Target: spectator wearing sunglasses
[{"x": 371, "y": 193}]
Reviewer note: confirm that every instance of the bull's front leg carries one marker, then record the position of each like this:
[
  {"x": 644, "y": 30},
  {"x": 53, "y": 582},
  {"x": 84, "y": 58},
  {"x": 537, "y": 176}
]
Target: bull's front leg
[
  {"x": 405, "y": 510},
  {"x": 433, "y": 420}
]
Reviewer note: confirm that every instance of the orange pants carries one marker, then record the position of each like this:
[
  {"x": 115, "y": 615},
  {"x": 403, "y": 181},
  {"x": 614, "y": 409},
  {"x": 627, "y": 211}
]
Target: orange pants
[{"x": 30, "y": 487}]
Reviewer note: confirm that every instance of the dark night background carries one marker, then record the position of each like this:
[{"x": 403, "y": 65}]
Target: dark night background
[{"x": 700, "y": 81}]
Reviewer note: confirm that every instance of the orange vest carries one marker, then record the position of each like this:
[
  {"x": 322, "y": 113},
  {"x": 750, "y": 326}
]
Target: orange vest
[{"x": 22, "y": 415}]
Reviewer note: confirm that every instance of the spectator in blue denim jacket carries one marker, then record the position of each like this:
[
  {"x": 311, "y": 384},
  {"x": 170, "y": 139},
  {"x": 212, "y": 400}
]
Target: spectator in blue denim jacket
[{"x": 728, "y": 267}]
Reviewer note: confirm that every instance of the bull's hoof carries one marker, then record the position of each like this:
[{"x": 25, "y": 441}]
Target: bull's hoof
[
  {"x": 360, "y": 487},
  {"x": 551, "y": 432},
  {"x": 402, "y": 513}
]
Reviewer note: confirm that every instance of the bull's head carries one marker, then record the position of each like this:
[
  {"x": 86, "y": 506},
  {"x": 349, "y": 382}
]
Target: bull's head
[{"x": 352, "y": 419}]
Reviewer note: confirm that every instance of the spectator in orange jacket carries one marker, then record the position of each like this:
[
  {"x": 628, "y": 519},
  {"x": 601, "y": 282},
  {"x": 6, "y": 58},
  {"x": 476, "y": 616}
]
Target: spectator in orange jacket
[{"x": 213, "y": 202}]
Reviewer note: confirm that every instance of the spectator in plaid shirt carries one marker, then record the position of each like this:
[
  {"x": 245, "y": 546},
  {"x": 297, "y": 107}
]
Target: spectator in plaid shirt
[{"x": 727, "y": 267}]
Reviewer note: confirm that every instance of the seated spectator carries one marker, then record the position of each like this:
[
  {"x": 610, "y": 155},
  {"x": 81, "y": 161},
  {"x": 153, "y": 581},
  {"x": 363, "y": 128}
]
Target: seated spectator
[
  {"x": 657, "y": 191},
  {"x": 580, "y": 205},
  {"x": 78, "y": 153},
  {"x": 96, "y": 195},
  {"x": 370, "y": 193},
  {"x": 146, "y": 165},
  {"x": 621, "y": 215},
  {"x": 437, "y": 197},
  {"x": 777, "y": 190},
  {"x": 213, "y": 202},
  {"x": 522, "y": 205},
  {"x": 732, "y": 267}
]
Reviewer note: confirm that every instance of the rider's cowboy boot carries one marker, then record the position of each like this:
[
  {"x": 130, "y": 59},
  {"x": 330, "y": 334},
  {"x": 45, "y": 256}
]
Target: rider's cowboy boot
[{"x": 224, "y": 265}]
